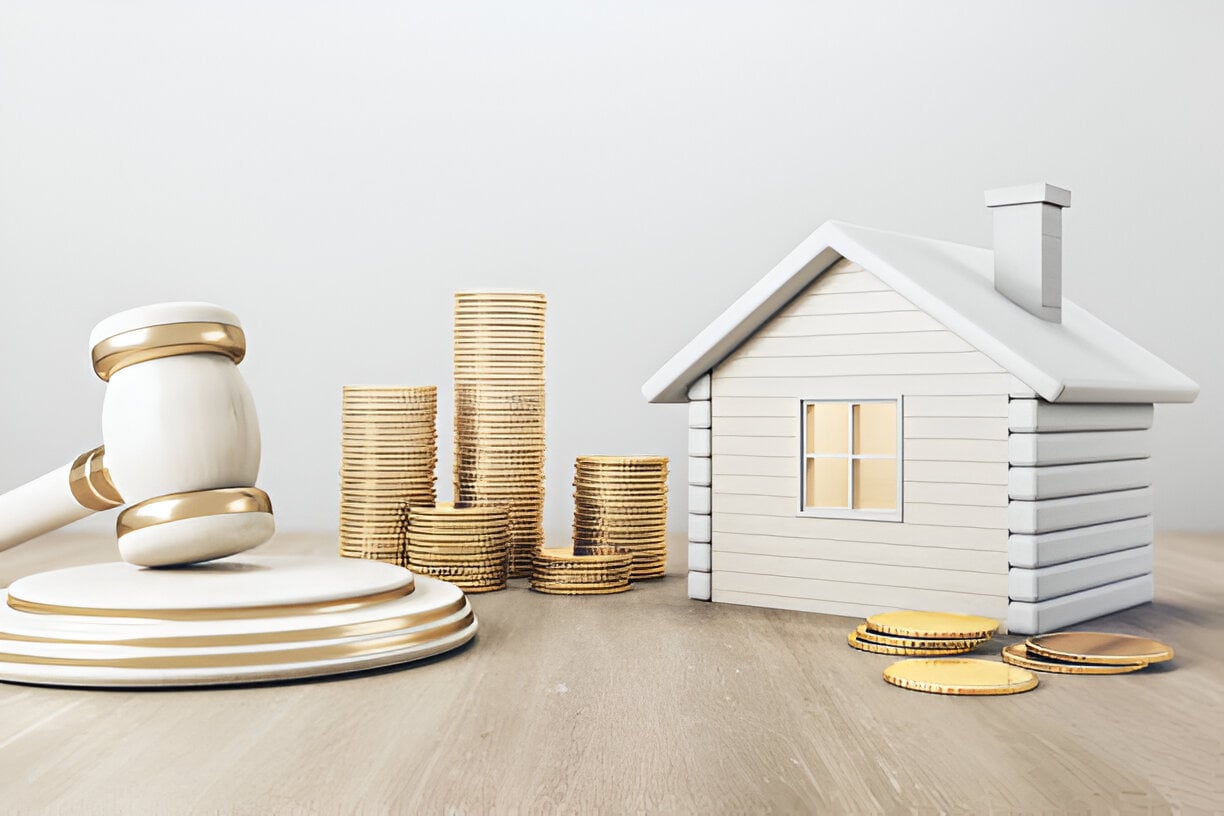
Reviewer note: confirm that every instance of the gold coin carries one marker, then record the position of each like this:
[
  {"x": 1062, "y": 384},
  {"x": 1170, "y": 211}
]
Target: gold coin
[
  {"x": 882, "y": 648},
  {"x": 932, "y": 625},
  {"x": 1099, "y": 647},
  {"x": 964, "y": 644},
  {"x": 1018, "y": 655},
  {"x": 582, "y": 591},
  {"x": 959, "y": 676}
]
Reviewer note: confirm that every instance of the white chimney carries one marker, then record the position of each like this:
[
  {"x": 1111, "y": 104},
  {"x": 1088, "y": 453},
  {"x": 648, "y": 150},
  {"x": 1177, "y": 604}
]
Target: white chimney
[{"x": 1028, "y": 246}]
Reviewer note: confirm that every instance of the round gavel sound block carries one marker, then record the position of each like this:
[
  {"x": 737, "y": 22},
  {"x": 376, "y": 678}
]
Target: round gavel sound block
[{"x": 182, "y": 441}]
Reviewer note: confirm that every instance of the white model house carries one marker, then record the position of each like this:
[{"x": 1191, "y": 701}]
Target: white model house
[{"x": 890, "y": 422}]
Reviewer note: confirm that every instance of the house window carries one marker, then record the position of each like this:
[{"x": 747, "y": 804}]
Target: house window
[{"x": 851, "y": 456}]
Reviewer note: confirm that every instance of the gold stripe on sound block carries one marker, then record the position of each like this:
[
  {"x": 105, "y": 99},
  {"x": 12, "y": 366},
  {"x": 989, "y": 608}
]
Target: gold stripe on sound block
[
  {"x": 1019, "y": 655},
  {"x": 231, "y": 613},
  {"x": 868, "y": 641},
  {"x": 959, "y": 676},
  {"x": 1099, "y": 647},
  {"x": 199, "y": 504},
  {"x": 168, "y": 340},
  {"x": 932, "y": 625}
]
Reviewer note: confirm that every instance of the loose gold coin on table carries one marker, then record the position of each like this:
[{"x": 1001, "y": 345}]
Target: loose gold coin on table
[
  {"x": 960, "y": 676},
  {"x": 1019, "y": 655},
  {"x": 856, "y": 640},
  {"x": 932, "y": 625},
  {"x": 1098, "y": 647}
]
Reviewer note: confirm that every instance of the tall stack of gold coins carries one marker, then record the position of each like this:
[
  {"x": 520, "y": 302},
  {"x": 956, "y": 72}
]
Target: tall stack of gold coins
[
  {"x": 621, "y": 502},
  {"x": 389, "y": 451},
  {"x": 499, "y": 412},
  {"x": 468, "y": 546}
]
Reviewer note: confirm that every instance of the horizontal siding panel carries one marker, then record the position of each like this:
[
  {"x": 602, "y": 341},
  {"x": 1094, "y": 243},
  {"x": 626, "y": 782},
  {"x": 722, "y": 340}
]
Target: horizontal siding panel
[
  {"x": 848, "y": 281},
  {"x": 819, "y": 303},
  {"x": 866, "y": 323},
  {"x": 778, "y": 486},
  {"x": 1076, "y": 576},
  {"x": 1058, "y": 481},
  {"x": 970, "y": 406},
  {"x": 839, "y": 592},
  {"x": 985, "y": 473},
  {"x": 729, "y": 465},
  {"x": 908, "y": 577},
  {"x": 756, "y": 407},
  {"x": 1057, "y": 613},
  {"x": 866, "y": 552},
  {"x": 1051, "y": 515},
  {"x": 857, "y": 387},
  {"x": 885, "y": 532},
  {"x": 1040, "y": 416},
  {"x": 855, "y": 365},
  {"x": 847, "y": 610},
  {"x": 956, "y": 515},
  {"x": 755, "y": 446},
  {"x": 955, "y": 450},
  {"x": 1038, "y": 449},
  {"x": 760, "y": 426},
  {"x": 1082, "y": 542},
  {"x": 831, "y": 345},
  {"x": 955, "y": 428},
  {"x": 978, "y": 495}
]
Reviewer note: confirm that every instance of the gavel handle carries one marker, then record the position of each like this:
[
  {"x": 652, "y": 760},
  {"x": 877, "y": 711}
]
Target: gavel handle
[{"x": 64, "y": 495}]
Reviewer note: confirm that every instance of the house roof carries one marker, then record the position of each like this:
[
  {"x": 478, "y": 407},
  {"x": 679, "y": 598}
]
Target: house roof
[{"x": 1080, "y": 359}]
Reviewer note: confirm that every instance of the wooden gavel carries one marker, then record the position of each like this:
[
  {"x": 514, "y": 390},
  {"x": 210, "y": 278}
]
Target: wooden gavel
[{"x": 181, "y": 439}]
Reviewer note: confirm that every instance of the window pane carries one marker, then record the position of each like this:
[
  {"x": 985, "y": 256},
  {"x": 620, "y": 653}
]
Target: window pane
[
  {"x": 875, "y": 484},
  {"x": 827, "y": 427},
  {"x": 875, "y": 428},
  {"x": 826, "y": 483}
]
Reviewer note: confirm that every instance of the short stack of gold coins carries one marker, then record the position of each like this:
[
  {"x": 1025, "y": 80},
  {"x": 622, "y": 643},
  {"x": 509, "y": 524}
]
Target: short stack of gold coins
[
  {"x": 499, "y": 412},
  {"x": 389, "y": 451},
  {"x": 620, "y": 502},
  {"x": 467, "y": 546},
  {"x": 1087, "y": 653},
  {"x": 919, "y": 633},
  {"x": 558, "y": 571}
]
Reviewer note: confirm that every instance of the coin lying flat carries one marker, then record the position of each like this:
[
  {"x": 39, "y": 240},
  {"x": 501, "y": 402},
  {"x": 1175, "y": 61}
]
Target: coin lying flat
[
  {"x": 879, "y": 648},
  {"x": 932, "y": 625},
  {"x": 1018, "y": 655},
  {"x": 1099, "y": 647},
  {"x": 961, "y": 676},
  {"x": 965, "y": 644}
]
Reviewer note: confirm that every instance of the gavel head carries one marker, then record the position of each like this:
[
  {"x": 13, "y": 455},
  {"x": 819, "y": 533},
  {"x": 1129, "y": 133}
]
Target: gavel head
[{"x": 180, "y": 432}]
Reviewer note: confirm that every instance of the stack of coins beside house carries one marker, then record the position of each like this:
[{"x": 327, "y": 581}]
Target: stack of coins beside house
[
  {"x": 560, "y": 572},
  {"x": 1087, "y": 653},
  {"x": 467, "y": 546},
  {"x": 388, "y": 456},
  {"x": 499, "y": 412},
  {"x": 620, "y": 502},
  {"x": 922, "y": 633}
]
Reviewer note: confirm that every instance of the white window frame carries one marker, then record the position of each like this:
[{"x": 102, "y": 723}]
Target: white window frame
[{"x": 850, "y": 456}]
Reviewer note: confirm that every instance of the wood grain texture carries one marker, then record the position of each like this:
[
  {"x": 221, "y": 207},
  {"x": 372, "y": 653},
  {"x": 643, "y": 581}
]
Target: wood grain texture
[{"x": 645, "y": 702}]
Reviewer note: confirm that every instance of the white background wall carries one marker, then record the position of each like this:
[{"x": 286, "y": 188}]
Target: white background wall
[{"x": 332, "y": 171}]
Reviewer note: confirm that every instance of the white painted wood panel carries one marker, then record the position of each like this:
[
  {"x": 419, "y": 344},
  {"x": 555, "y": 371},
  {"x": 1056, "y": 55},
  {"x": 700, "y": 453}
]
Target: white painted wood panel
[
  {"x": 953, "y": 515},
  {"x": 698, "y": 556},
  {"x": 1019, "y": 389},
  {"x": 698, "y": 442},
  {"x": 699, "y": 528},
  {"x": 1057, "y": 481},
  {"x": 838, "y": 282},
  {"x": 755, "y": 407},
  {"x": 699, "y": 414},
  {"x": 855, "y": 365},
  {"x": 917, "y": 405},
  {"x": 866, "y": 552},
  {"x": 830, "y": 345},
  {"x": 956, "y": 450},
  {"x": 777, "y": 486},
  {"x": 731, "y": 465},
  {"x": 847, "y": 610},
  {"x": 886, "y": 575},
  {"x": 699, "y": 499},
  {"x": 989, "y": 605},
  {"x": 862, "y": 387},
  {"x": 835, "y": 303},
  {"x": 699, "y": 586},
  {"x": 1028, "y": 449},
  {"x": 943, "y": 515},
  {"x": 1033, "y": 551},
  {"x": 700, "y": 389},
  {"x": 847, "y": 324},
  {"x": 787, "y": 426},
  {"x": 699, "y": 470},
  {"x": 756, "y": 446},
  {"x": 888, "y": 532},
  {"x": 1035, "y": 415},
  {"x": 954, "y": 428},
  {"x": 1051, "y": 515},
  {"x": 958, "y": 493},
  {"x": 986, "y": 473},
  {"x": 1075, "y": 576},
  {"x": 1049, "y": 616}
]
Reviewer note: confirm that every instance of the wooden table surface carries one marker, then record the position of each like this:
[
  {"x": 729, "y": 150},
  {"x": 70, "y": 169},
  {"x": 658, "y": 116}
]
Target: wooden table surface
[{"x": 640, "y": 702}]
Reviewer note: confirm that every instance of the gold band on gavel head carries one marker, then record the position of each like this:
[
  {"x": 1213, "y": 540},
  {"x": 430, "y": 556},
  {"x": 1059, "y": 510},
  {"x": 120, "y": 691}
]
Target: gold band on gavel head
[
  {"x": 199, "y": 504},
  {"x": 90, "y": 482},
  {"x": 168, "y": 340}
]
